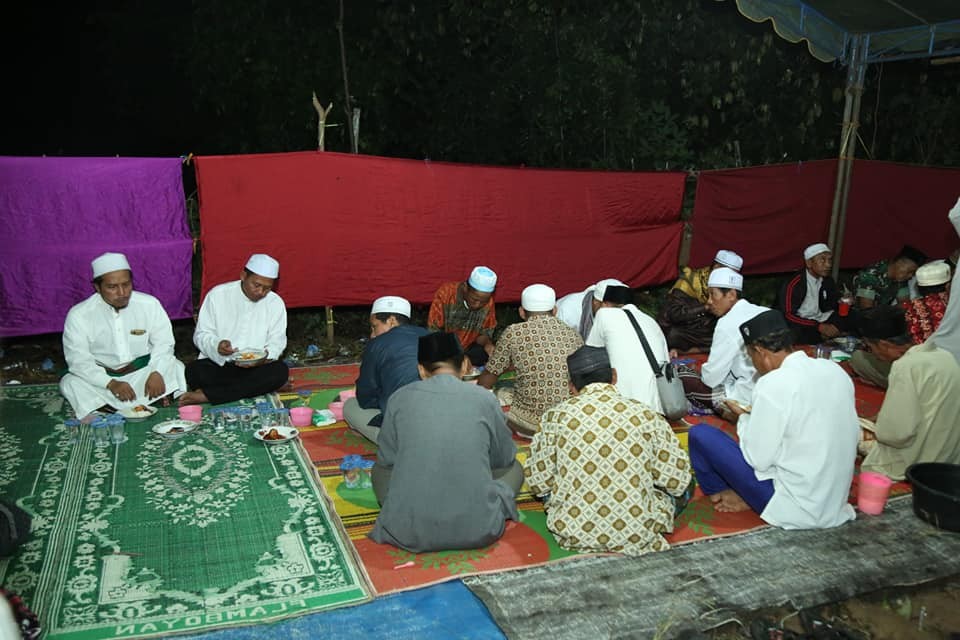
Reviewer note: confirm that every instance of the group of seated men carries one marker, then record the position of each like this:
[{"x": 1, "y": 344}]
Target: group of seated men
[{"x": 603, "y": 458}]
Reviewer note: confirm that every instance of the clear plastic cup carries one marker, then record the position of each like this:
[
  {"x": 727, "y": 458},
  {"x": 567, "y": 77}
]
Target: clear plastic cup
[
  {"x": 73, "y": 430},
  {"x": 245, "y": 414},
  {"x": 101, "y": 433},
  {"x": 230, "y": 418},
  {"x": 117, "y": 431}
]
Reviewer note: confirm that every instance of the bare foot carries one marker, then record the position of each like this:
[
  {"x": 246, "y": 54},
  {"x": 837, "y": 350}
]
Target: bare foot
[
  {"x": 727, "y": 501},
  {"x": 193, "y": 397}
]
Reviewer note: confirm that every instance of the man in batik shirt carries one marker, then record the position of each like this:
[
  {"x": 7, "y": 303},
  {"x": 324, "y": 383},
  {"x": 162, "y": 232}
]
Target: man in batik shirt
[
  {"x": 537, "y": 351},
  {"x": 611, "y": 468},
  {"x": 466, "y": 309},
  {"x": 925, "y": 314}
]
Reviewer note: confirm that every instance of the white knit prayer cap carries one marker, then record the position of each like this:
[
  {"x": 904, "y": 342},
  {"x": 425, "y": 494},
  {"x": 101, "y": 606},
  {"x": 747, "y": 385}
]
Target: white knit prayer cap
[
  {"x": 601, "y": 287},
  {"x": 109, "y": 262},
  {"x": 815, "y": 250},
  {"x": 483, "y": 279},
  {"x": 538, "y": 297},
  {"x": 933, "y": 273},
  {"x": 724, "y": 278},
  {"x": 729, "y": 259},
  {"x": 391, "y": 304},
  {"x": 263, "y": 265}
]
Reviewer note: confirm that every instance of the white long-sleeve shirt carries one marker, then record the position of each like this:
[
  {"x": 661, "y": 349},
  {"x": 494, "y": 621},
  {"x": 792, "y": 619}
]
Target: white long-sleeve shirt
[
  {"x": 95, "y": 335},
  {"x": 613, "y": 331},
  {"x": 570, "y": 307},
  {"x": 228, "y": 314},
  {"x": 802, "y": 434},
  {"x": 728, "y": 363}
]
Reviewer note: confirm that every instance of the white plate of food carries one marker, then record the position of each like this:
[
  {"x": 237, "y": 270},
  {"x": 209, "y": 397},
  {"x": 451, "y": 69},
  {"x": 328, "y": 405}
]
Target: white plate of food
[
  {"x": 248, "y": 357},
  {"x": 276, "y": 435},
  {"x": 174, "y": 428},
  {"x": 137, "y": 413},
  {"x": 472, "y": 375}
]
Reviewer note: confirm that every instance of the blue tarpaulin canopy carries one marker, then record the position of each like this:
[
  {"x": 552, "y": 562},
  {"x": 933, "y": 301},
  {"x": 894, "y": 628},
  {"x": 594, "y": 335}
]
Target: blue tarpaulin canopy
[
  {"x": 856, "y": 33},
  {"x": 889, "y": 29}
]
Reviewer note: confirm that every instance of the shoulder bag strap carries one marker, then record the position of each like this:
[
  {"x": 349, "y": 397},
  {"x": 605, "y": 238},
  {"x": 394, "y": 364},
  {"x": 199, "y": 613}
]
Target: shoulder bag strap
[{"x": 646, "y": 345}]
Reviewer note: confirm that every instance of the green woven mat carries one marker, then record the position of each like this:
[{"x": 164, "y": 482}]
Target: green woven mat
[{"x": 156, "y": 536}]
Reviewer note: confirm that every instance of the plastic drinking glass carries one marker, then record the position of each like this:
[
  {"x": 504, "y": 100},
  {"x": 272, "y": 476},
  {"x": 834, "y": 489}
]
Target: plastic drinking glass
[
  {"x": 101, "y": 433},
  {"x": 230, "y": 419},
  {"x": 117, "y": 434},
  {"x": 73, "y": 430},
  {"x": 305, "y": 397},
  {"x": 246, "y": 417}
]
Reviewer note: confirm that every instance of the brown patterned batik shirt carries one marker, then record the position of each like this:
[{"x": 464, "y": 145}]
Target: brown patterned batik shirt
[
  {"x": 608, "y": 463},
  {"x": 537, "y": 350}
]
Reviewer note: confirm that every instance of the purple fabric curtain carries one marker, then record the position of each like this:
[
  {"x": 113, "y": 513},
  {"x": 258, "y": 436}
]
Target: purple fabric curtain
[{"x": 57, "y": 214}]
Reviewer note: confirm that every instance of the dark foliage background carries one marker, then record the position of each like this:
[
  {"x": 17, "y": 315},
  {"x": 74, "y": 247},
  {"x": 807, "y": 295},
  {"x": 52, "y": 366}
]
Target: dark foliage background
[{"x": 642, "y": 84}]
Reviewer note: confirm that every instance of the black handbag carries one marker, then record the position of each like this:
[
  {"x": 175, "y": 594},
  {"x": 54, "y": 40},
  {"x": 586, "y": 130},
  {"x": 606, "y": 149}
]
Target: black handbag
[{"x": 14, "y": 527}]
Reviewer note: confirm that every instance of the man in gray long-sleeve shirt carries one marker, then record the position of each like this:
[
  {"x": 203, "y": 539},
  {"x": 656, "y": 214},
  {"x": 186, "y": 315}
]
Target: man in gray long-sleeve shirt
[{"x": 446, "y": 471}]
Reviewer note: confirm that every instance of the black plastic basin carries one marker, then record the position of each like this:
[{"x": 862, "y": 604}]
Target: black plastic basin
[{"x": 936, "y": 493}]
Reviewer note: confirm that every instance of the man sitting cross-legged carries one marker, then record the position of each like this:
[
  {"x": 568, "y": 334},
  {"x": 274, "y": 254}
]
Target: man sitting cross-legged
[
  {"x": 242, "y": 314},
  {"x": 446, "y": 471},
  {"x": 389, "y": 362},
  {"x": 536, "y": 349},
  {"x": 794, "y": 463},
  {"x": 611, "y": 467}
]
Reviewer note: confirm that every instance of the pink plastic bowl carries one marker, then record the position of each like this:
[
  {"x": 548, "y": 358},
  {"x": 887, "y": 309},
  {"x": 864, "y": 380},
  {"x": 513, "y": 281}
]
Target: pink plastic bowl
[
  {"x": 346, "y": 394},
  {"x": 301, "y": 416},
  {"x": 336, "y": 408},
  {"x": 191, "y": 412}
]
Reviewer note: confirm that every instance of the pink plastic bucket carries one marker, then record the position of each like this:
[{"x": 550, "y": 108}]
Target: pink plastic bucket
[
  {"x": 336, "y": 408},
  {"x": 872, "y": 492}
]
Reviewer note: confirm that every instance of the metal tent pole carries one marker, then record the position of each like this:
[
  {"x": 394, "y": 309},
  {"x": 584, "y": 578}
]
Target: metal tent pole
[{"x": 848, "y": 146}]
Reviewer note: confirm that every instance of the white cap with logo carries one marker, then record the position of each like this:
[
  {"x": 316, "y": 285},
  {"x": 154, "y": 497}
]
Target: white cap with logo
[
  {"x": 724, "y": 278},
  {"x": 391, "y": 304}
]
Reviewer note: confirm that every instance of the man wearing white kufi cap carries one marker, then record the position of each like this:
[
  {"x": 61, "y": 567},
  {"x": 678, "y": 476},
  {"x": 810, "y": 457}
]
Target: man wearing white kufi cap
[
  {"x": 728, "y": 373},
  {"x": 241, "y": 334},
  {"x": 466, "y": 309},
  {"x": 810, "y": 300},
  {"x": 118, "y": 344},
  {"x": 925, "y": 314},
  {"x": 616, "y": 331},
  {"x": 389, "y": 362},
  {"x": 577, "y": 309},
  {"x": 536, "y": 349},
  {"x": 684, "y": 317}
]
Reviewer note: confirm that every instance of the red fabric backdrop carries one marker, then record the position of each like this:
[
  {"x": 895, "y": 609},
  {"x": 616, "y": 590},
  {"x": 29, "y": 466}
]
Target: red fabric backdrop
[
  {"x": 348, "y": 228},
  {"x": 769, "y": 214}
]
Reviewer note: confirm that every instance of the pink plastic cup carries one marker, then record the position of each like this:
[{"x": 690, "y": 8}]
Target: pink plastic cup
[
  {"x": 336, "y": 408},
  {"x": 301, "y": 416},
  {"x": 191, "y": 412},
  {"x": 872, "y": 492}
]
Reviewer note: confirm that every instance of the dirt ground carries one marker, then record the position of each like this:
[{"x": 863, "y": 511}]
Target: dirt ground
[{"x": 929, "y": 611}]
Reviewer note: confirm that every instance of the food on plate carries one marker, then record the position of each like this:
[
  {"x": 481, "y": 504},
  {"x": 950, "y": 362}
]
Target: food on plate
[
  {"x": 175, "y": 430},
  {"x": 273, "y": 434},
  {"x": 140, "y": 408},
  {"x": 248, "y": 355}
]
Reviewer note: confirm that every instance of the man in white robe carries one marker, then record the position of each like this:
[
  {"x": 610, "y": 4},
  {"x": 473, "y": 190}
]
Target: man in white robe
[
  {"x": 235, "y": 316},
  {"x": 947, "y": 335},
  {"x": 728, "y": 373},
  {"x": 613, "y": 331},
  {"x": 794, "y": 462},
  {"x": 118, "y": 344},
  {"x": 577, "y": 309}
]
